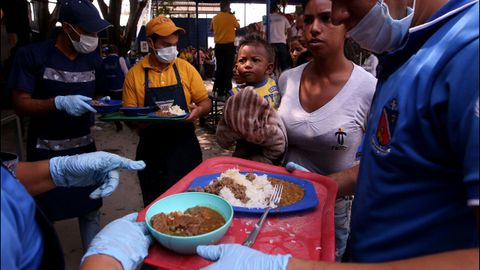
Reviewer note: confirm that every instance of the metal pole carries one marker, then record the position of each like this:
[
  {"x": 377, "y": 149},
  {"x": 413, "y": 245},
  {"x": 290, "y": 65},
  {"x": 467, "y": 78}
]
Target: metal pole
[
  {"x": 197, "y": 62},
  {"x": 244, "y": 14},
  {"x": 267, "y": 23}
]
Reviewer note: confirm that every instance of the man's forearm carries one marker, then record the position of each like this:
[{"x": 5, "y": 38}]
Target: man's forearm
[
  {"x": 35, "y": 176},
  {"x": 460, "y": 259},
  {"x": 346, "y": 180},
  {"x": 25, "y": 105},
  {"x": 205, "y": 107},
  {"x": 100, "y": 261}
]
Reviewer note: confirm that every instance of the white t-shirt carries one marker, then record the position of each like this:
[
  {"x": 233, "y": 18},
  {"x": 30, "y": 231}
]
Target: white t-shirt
[
  {"x": 293, "y": 30},
  {"x": 325, "y": 141},
  {"x": 371, "y": 64},
  {"x": 278, "y": 28}
]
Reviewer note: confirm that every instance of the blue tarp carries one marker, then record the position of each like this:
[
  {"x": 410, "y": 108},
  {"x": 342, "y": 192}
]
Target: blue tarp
[{"x": 190, "y": 37}]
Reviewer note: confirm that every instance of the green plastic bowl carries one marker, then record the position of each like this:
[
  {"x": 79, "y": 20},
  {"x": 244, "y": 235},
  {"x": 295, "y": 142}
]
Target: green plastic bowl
[{"x": 181, "y": 202}]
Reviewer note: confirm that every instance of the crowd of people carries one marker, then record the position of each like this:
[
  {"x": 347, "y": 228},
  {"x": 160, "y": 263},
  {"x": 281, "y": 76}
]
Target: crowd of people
[
  {"x": 203, "y": 59},
  {"x": 401, "y": 140}
]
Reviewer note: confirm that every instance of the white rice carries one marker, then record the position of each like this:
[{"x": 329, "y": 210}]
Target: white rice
[
  {"x": 258, "y": 191},
  {"x": 175, "y": 109}
]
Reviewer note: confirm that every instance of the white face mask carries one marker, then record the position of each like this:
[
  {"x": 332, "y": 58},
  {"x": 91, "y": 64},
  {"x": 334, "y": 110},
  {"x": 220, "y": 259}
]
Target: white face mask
[
  {"x": 166, "y": 55},
  {"x": 379, "y": 32},
  {"x": 87, "y": 44}
]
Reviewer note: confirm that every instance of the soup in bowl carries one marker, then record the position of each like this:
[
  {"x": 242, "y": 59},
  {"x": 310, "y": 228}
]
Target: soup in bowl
[{"x": 183, "y": 221}]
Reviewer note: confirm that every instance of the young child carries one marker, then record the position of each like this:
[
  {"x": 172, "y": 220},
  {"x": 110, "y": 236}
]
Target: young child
[
  {"x": 250, "y": 121},
  {"x": 296, "y": 49},
  {"x": 254, "y": 64}
]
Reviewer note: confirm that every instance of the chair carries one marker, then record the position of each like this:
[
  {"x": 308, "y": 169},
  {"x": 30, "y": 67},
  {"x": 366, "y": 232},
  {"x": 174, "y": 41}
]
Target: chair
[{"x": 7, "y": 117}]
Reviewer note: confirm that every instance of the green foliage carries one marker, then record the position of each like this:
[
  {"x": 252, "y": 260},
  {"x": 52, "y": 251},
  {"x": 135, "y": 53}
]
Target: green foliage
[{"x": 163, "y": 7}]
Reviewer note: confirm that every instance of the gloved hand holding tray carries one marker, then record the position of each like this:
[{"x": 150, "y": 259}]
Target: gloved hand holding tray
[{"x": 303, "y": 234}]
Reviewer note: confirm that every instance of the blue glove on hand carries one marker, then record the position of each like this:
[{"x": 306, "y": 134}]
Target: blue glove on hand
[
  {"x": 91, "y": 169},
  {"x": 75, "y": 105},
  {"x": 124, "y": 239},
  {"x": 238, "y": 257},
  {"x": 291, "y": 166}
]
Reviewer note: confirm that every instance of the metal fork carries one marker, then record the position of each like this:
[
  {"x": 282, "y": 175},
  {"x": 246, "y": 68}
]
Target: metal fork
[{"x": 273, "y": 202}]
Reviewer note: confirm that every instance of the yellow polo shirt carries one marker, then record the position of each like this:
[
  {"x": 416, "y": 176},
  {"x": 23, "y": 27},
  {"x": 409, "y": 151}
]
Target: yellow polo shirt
[
  {"x": 223, "y": 26},
  {"x": 134, "y": 86}
]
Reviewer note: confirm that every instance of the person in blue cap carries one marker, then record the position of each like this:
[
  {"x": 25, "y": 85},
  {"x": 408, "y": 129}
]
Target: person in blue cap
[
  {"x": 29, "y": 240},
  {"x": 417, "y": 188},
  {"x": 53, "y": 82}
]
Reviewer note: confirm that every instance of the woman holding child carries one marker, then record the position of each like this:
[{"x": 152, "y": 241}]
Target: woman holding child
[{"x": 325, "y": 107}]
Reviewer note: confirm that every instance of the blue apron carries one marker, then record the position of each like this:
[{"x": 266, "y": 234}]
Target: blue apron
[{"x": 170, "y": 149}]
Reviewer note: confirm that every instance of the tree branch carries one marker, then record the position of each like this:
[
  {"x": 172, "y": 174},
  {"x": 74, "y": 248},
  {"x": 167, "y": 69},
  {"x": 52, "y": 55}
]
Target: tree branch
[{"x": 103, "y": 9}]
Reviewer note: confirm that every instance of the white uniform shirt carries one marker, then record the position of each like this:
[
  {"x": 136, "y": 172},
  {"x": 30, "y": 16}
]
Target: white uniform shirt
[
  {"x": 278, "y": 28},
  {"x": 325, "y": 141}
]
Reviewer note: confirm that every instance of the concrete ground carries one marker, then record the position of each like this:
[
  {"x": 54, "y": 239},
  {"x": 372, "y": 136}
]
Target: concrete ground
[{"x": 127, "y": 197}]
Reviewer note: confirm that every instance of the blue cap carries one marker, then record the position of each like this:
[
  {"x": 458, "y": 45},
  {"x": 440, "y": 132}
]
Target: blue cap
[{"x": 82, "y": 13}]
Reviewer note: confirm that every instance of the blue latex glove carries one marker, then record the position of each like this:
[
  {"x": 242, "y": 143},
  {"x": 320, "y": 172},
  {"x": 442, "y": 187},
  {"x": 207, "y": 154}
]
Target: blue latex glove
[
  {"x": 124, "y": 239},
  {"x": 97, "y": 168},
  {"x": 291, "y": 166},
  {"x": 238, "y": 257},
  {"x": 75, "y": 105}
]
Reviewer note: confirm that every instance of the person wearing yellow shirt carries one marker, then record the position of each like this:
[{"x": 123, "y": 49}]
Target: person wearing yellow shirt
[
  {"x": 223, "y": 26},
  {"x": 169, "y": 149}
]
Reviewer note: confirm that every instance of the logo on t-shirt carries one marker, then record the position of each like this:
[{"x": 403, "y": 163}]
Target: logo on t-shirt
[
  {"x": 340, "y": 134},
  {"x": 273, "y": 89},
  {"x": 386, "y": 126}
]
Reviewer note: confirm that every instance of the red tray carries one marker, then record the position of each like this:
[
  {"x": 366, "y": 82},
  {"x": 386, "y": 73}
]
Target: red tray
[{"x": 305, "y": 235}]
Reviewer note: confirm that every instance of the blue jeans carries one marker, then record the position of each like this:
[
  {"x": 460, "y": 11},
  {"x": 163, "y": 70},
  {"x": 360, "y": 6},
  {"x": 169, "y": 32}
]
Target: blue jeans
[
  {"x": 89, "y": 227},
  {"x": 343, "y": 208}
]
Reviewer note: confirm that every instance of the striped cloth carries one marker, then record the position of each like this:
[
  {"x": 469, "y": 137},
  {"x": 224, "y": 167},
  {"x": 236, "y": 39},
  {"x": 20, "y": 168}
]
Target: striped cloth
[{"x": 248, "y": 117}]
